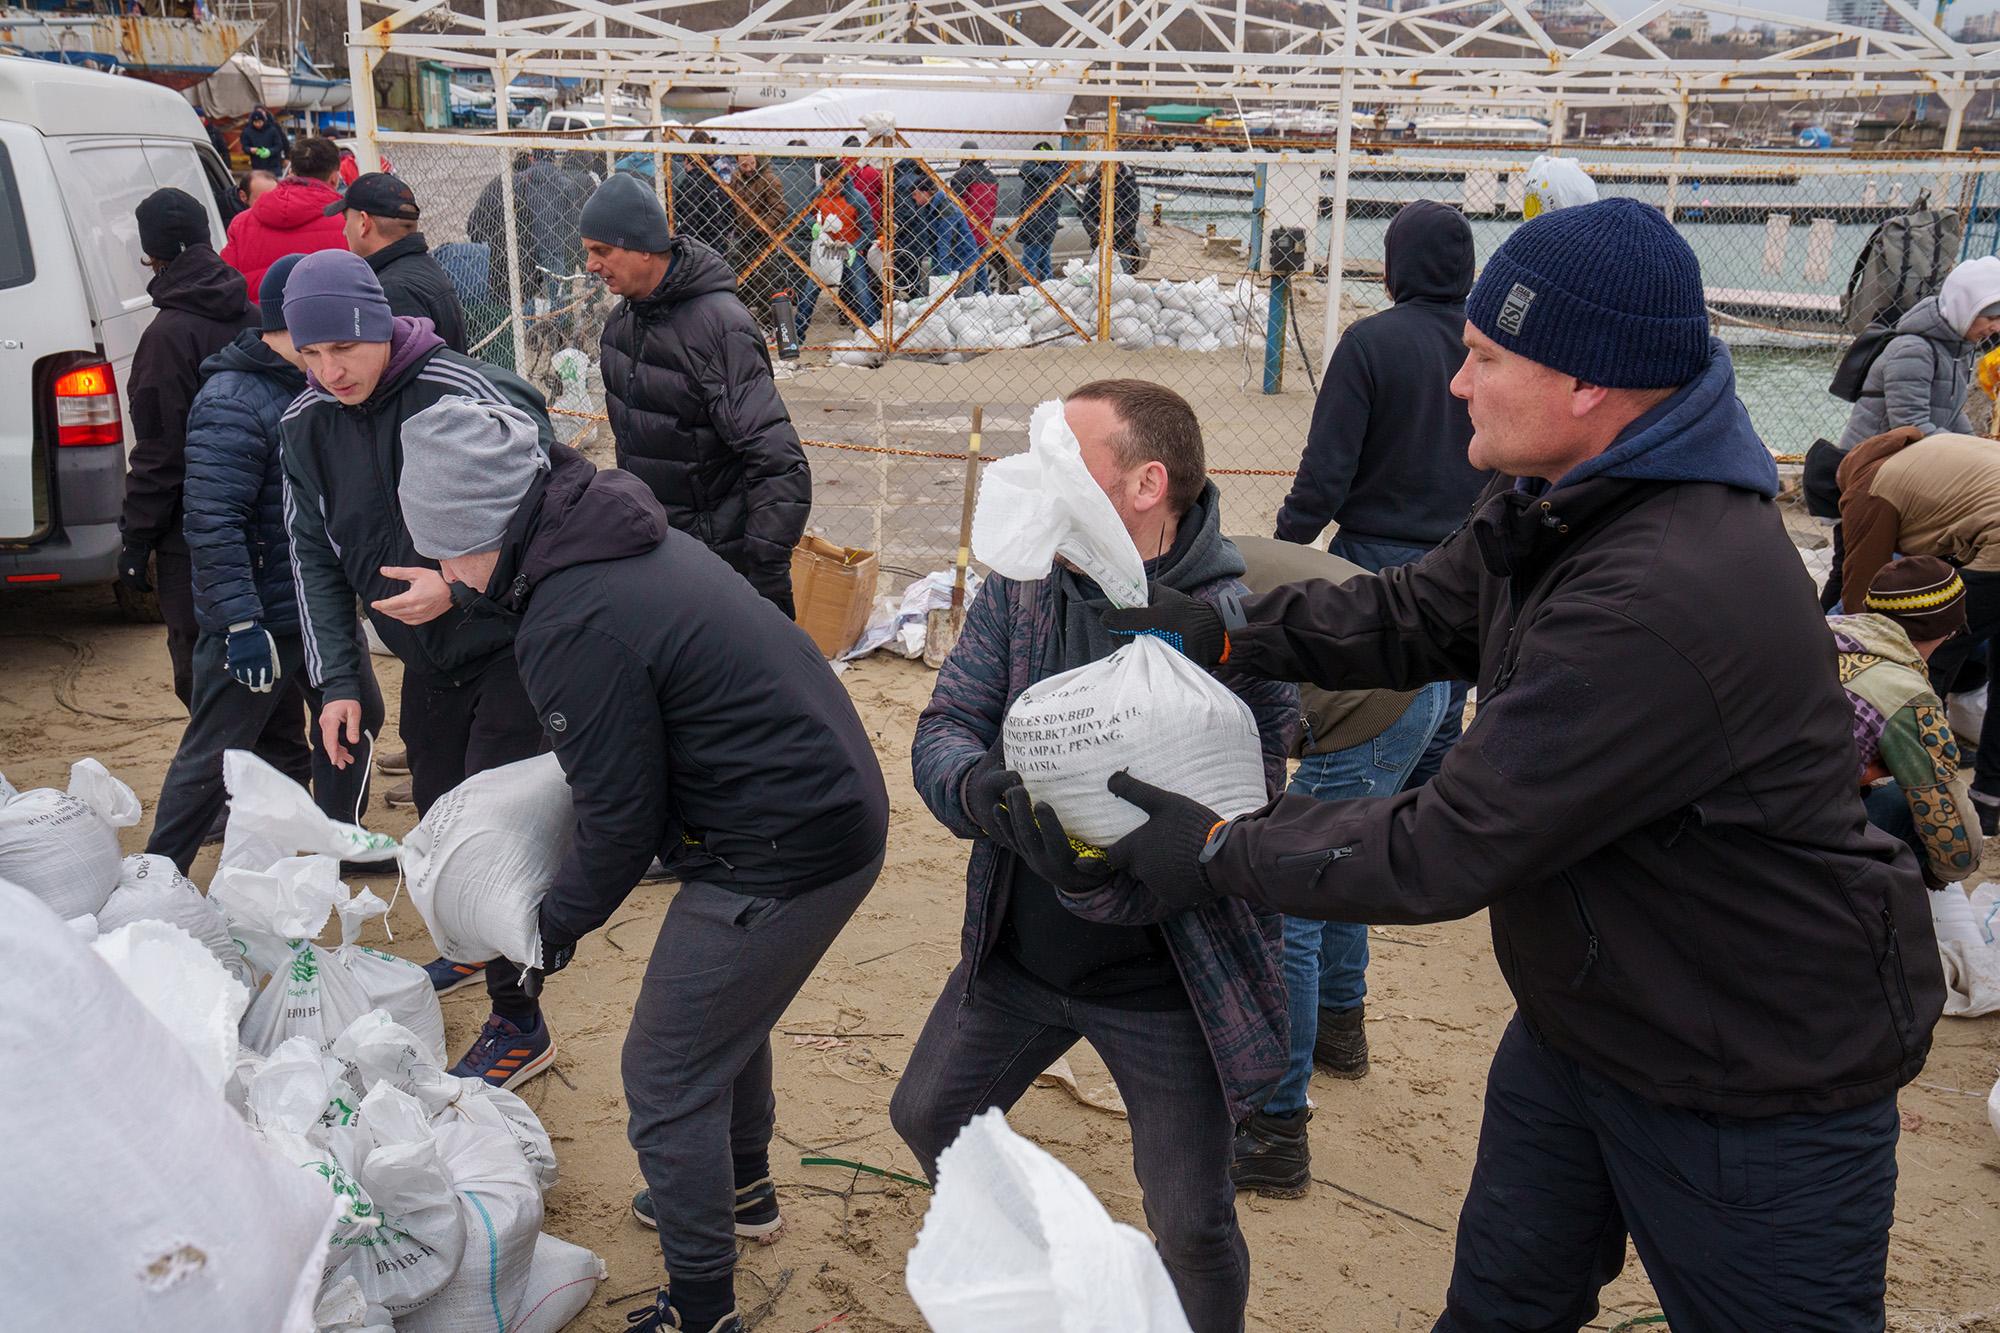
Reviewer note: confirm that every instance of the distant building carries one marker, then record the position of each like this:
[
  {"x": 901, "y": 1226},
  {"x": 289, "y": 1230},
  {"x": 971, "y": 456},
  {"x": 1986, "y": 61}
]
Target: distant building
[
  {"x": 1745, "y": 34},
  {"x": 1865, "y": 14},
  {"x": 1981, "y": 28},
  {"x": 1681, "y": 25}
]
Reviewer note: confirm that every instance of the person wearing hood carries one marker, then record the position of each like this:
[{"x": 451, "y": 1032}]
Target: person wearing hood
[
  {"x": 694, "y": 410},
  {"x": 379, "y": 214},
  {"x": 1723, "y": 973},
  {"x": 292, "y": 217},
  {"x": 264, "y": 141},
  {"x": 1187, "y": 1008},
  {"x": 1921, "y": 377},
  {"x": 1910, "y": 774},
  {"x": 346, "y": 440},
  {"x": 1385, "y": 458},
  {"x": 1037, "y": 232},
  {"x": 199, "y": 306},
  {"x": 250, "y": 686},
  {"x": 978, "y": 191},
  {"x": 1936, "y": 495},
  {"x": 697, "y": 724}
]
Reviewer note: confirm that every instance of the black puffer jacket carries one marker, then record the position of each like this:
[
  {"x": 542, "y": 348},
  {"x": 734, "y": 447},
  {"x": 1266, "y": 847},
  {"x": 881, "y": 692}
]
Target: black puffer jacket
[
  {"x": 696, "y": 415},
  {"x": 1385, "y": 457},
  {"x": 694, "y": 722},
  {"x": 235, "y": 501},
  {"x": 417, "y": 285},
  {"x": 200, "y": 305},
  {"x": 1656, "y": 801}
]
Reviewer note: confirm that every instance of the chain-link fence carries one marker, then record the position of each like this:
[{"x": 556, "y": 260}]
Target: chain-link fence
[{"x": 903, "y": 278}]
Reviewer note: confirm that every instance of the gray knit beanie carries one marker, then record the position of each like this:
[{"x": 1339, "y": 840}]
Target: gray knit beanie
[
  {"x": 624, "y": 213},
  {"x": 334, "y": 297},
  {"x": 467, "y": 465}
]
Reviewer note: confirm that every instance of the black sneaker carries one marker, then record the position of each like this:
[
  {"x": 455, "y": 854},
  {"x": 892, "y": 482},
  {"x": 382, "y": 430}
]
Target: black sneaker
[
  {"x": 1341, "y": 1049},
  {"x": 660, "y": 1317},
  {"x": 1271, "y": 1156},
  {"x": 1988, "y": 809},
  {"x": 756, "y": 1211}
]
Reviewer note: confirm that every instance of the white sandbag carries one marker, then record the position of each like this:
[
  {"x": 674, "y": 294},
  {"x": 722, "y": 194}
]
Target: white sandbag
[
  {"x": 396, "y": 1160},
  {"x": 299, "y": 1090},
  {"x": 1014, "y": 1240},
  {"x": 377, "y": 1050},
  {"x": 150, "y": 889},
  {"x": 1145, "y": 708},
  {"x": 396, "y": 985},
  {"x": 210, "y": 1232},
  {"x": 482, "y": 859},
  {"x": 268, "y": 909},
  {"x": 1968, "y": 937},
  {"x": 63, "y": 846},
  {"x": 1993, "y": 1106},
  {"x": 183, "y": 986},
  {"x": 1035, "y": 506},
  {"x": 1967, "y": 715},
  {"x": 272, "y": 817},
  {"x": 560, "y": 1281},
  {"x": 343, "y": 1309},
  {"x": 1555, "y": 182},
  {"x": 500, "y": 1208},
  {"x": 83, "y": 927}
]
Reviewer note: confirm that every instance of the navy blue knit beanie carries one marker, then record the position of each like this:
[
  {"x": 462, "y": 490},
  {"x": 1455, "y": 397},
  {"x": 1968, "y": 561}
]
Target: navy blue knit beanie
[{"x": 1607, "y": 292}]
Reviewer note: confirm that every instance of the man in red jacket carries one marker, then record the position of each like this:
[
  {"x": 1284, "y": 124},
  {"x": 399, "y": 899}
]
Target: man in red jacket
[{"x": 289, "y": 219}]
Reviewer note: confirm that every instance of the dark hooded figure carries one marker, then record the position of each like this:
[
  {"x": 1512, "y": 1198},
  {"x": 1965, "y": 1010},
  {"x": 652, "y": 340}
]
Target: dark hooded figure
[{"x": 264, "y": 141}]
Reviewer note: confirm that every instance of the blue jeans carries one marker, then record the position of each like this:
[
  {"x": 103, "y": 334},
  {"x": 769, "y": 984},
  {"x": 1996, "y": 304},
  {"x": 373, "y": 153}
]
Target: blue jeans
[
  {"x": 1326, "y": 962},
  {"x": 1036, "y": 259},
  {"x": 1376, "y": 556}
]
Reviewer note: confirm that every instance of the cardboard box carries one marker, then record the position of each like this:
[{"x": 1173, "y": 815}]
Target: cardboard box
[{"x": 833, "y": 588}]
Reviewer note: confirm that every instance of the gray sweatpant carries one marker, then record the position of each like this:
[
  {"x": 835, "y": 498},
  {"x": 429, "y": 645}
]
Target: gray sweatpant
[{"x": 697, "y": 1061}]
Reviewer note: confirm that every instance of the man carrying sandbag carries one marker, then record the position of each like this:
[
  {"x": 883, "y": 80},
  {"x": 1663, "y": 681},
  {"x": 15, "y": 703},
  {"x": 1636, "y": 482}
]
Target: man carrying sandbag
[
  {"x": 695, "y": 723},
  {"x": 1187, "y": 1008},
  {"x": 1723, "y": 974},
  {"x": 346, "y": 441}
]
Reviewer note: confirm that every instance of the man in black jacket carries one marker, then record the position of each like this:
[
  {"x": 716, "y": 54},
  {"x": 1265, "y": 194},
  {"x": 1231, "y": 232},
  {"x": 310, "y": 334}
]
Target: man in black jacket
[
  {"x": 1386, "y": 455},
  {"x": 250, "y": 686},
  {"x": 264, "y": 141},
  {"x": 687, "y": 379},
  {"x": 381, "y": 218},
  {"x": 695, "y": 724},
  {"x": 1724, "y": 974},
  {"x": 200, "y": 305},
  {"x": 463, "y": 709}
]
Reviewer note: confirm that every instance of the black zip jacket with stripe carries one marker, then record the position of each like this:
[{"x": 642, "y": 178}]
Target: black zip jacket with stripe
[{"x": 342, "y": 465}]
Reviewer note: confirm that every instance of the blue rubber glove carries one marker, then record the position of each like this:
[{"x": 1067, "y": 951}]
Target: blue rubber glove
[{"x": 253, "y": 657}]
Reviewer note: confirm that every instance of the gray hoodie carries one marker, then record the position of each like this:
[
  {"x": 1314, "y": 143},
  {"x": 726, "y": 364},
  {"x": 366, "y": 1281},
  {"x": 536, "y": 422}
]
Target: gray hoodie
[{"x": 1920, "y": 380}]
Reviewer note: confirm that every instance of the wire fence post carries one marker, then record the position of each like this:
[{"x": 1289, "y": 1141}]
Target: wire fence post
[
  {"x": 1343, "y": 153},
  {"x": 1680, "y": 143},
  {"x": 502, "y": 107},
  {"x": 361, "y": 79},
  {"x": 1107, "y": 198}
]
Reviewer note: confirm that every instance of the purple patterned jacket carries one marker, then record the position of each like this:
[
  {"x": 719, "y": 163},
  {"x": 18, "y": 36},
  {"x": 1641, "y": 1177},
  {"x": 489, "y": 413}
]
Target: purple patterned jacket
[{"x": 1228, "y": 953}]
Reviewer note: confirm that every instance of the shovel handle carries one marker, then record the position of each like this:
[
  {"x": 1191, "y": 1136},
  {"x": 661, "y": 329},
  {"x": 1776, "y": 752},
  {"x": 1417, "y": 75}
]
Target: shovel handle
[{"x": 965, "y": 514}]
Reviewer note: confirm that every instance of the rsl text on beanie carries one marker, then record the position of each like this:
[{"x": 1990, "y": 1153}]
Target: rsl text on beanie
[
  {"x": 1608, "y": 292},
  {"x": 334, "y": 297},
  {"x": 467, "y": 465},
  {"x": 624, "y": 213}
]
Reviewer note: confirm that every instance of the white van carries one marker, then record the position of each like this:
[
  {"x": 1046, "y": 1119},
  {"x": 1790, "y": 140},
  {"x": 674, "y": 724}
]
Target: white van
[{"x": 78, "y": 151}]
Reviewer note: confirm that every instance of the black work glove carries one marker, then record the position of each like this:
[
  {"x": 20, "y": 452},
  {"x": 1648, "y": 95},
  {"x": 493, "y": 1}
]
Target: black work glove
[
  {"x": 984, "y": 788},
  {"x": 1166, "y": 853},
  {"x": 1186, "y": 623},
  {"x": 558, "y": 947},
  {"x": 1037, "y": 837},
  {"x": 132, "y": 560}
]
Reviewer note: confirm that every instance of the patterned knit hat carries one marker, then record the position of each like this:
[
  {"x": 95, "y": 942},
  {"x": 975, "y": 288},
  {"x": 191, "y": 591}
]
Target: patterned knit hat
[{"x": 1921, "y": 593}]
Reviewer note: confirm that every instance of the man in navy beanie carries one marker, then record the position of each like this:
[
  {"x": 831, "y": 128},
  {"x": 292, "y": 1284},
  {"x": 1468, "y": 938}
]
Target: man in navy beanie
[
  {"x": 1723, "y": 973},
  {"x": 368, "y": 373}
]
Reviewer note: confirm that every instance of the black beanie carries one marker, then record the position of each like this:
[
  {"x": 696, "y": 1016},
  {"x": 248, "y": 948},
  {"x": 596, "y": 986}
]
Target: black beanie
[{"x": 169, "y": 222}]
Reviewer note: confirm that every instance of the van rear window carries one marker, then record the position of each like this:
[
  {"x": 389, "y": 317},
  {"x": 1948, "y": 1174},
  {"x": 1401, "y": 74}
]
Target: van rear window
[{"x": 17, "y": 262}]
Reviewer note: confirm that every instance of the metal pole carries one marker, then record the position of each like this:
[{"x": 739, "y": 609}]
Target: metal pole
[
  {"x": 1107, "y": 191},
  {"x": 1274, "y": 334},
  {"x": 1262, "y": 180},
  {"x": 361, "y": 80},
  {"x": 605, "y": 83},
  {"x": 508, "y": 204},
  {"x": 1343, "y": 151},
  {"x": 1680, "y": 142}
]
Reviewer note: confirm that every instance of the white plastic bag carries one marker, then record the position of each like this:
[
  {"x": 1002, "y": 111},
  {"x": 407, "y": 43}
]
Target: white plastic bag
[
  {"x": 272, "y": 817},
  {"x": 500, "y": 1208},
  {"x": 63, "y": 846},
  {"x": 395, "y": 1159},
  {"x": 1014, "y": 1240},
  {"x": 209, "y": 1233},
  {"x": 1036, "y": 506},
  {"x": 560, "y": 1281},
  {"x": 150, "y": 889},
  {"x": 1555, "y": 182},
  {"x": 1967, "y": 715},
  {"x": 1145, "y": 708},
  {"x": 1968, "y": 937},
  {"x": 483, "y": 856},
  {"x": 183, "y": 986}
]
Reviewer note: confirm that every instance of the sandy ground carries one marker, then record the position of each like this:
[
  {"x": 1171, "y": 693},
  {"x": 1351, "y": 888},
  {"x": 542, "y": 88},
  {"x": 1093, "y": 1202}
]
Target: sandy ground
[{"x": 1368, "y": 1248}]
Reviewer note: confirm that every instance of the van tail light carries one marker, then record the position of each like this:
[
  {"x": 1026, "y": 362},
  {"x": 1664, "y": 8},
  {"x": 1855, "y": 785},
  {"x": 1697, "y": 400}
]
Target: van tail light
[{"x": 87, "y": 406}]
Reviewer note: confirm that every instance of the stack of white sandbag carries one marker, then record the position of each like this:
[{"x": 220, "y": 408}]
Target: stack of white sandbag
[
  {"x": 1146, "y": 708},
  {"x": 62, "y": 846},
  {"x": 1199, "y": 316}
]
